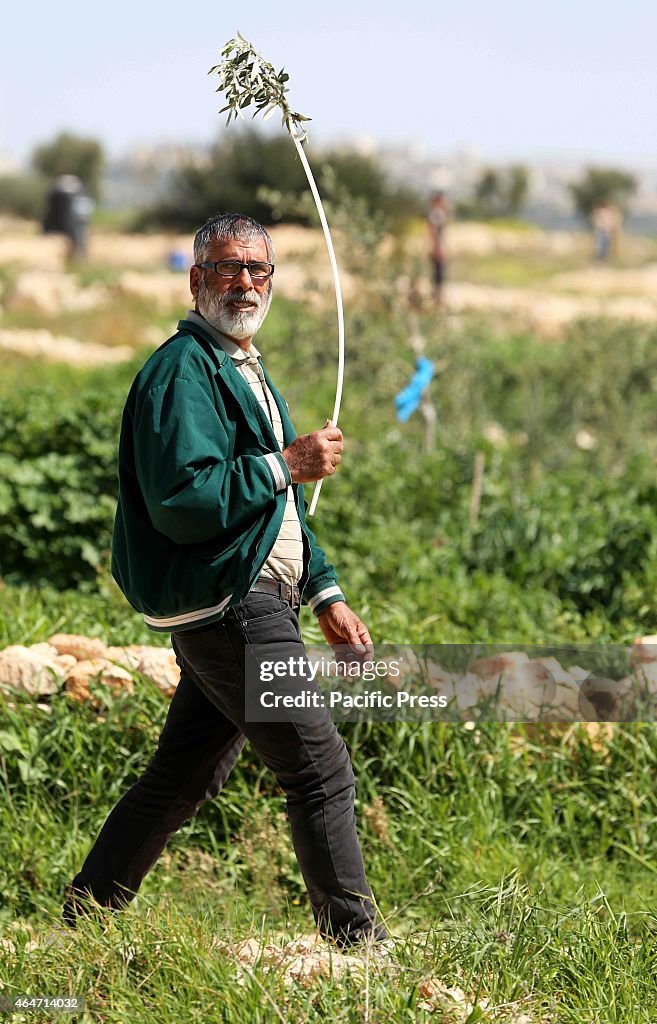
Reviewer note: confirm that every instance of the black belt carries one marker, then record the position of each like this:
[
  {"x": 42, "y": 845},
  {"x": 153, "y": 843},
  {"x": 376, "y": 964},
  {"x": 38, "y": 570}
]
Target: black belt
[{"x": 284, "y": 591}]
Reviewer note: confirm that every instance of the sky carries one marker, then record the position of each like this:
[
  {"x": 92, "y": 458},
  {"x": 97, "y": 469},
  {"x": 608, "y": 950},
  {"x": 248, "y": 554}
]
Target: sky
[{"x": 510, "y": 79}]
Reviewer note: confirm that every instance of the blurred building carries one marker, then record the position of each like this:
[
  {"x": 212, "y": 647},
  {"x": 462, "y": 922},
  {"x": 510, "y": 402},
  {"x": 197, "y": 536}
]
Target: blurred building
[{"x": 141, "y": 177}]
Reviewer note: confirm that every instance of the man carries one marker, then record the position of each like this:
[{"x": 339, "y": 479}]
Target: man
[
  {"x": 211, "y": 544},
  {"x": 436, "y": 221}
]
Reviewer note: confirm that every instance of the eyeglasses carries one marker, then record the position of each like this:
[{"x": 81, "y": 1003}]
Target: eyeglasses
[{"x": 231, "y": 268}]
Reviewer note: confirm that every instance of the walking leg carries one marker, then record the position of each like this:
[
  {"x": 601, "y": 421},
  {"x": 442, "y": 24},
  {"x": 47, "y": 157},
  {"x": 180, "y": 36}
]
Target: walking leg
[{"x": 196, "y": 751}]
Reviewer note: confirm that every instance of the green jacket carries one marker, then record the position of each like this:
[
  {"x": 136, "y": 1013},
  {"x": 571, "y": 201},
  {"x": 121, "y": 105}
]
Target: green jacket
[{"x": 198, "y": 509}]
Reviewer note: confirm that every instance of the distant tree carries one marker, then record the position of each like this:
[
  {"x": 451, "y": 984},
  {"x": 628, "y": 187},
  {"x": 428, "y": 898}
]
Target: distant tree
[
  {"x": 517, "y": 189},
  {"x": 602, "y": 185},
  {"x": 487, "y": 192},
  {"x": 71, "y": 154},
  {"x": 241, "y": 170},
  {"x": 497, "y": 193},
  {"x": 23, "y": 195}
]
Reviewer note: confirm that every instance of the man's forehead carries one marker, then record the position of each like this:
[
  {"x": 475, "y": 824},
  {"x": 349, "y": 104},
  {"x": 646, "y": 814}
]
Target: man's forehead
[{"x": 254, "y": 250}]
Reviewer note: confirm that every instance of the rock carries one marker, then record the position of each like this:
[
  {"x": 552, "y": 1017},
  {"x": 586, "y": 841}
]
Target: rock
[
  {"x": 644, "y": 649},
  {"x": 470, "y": 689},
  {"x": 78, "y": 678},
  {"x": 65, "y": 662},
  {"x": 44, "y": 648},
  {"x": 487, "y": 668},
  {"x": 611, "y": 699},
  {"x": 524, "y": 689},
  {"x": 645, "y": 677},
  {"x": 38, "y": 343},
  {"x": 130, "y": 656},
  {"x": 304, "y": 960},
  {"x": 162, "y": 289},
  {"x": 451, "y": 1000},
  {"x": 577, "y": 672},
  {"x": 52, "y": 293},
  {"x": 567, "y": 703},
  {"x": 160, "y": 665},
  {"x": 81, "y": 647},
  {"x": 33, "y": 672}
]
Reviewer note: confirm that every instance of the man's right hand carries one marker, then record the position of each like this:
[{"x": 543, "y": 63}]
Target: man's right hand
[{"x": 314, "y": 456}]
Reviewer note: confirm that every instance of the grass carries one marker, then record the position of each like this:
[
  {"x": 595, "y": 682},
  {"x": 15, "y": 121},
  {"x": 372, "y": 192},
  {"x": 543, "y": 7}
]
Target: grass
[
  {"x": 527, "y": 956},
  {"x": 499, "y": 859},
  {"x": 512, "y": 270},
  {"x": 120, "y": 324}
]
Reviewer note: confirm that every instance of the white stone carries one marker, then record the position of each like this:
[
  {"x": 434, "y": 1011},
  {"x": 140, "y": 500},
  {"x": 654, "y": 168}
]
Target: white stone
[
  {"x": 159, "y": 664},
  {"x": 32, "y": 672}
]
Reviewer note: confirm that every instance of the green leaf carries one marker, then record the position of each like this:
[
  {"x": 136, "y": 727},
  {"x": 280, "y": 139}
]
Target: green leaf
[
  {"x": 9, "y": 741},
  {"x": 272, "y": 110}
]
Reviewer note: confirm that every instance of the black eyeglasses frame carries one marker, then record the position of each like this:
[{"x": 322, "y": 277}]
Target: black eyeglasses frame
[{"x": 209, "y": 265}]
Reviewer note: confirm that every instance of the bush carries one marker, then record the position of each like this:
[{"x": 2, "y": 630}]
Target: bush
[
  {"x": 58, "y": 483},
  {"x": 565, "y": 539},
  {"x": 71, "y": 154},
  {"x": 23, "y": 195},
  {"x": 238, "y": 167}
]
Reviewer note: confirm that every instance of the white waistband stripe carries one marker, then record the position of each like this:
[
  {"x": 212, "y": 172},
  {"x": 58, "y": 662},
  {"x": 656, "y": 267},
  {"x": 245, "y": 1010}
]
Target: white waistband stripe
[{"x": 178, "y": 620}]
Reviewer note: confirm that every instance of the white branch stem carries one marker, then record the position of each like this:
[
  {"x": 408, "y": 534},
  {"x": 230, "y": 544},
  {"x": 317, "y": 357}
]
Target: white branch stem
[{"x": 338, "y": 296}]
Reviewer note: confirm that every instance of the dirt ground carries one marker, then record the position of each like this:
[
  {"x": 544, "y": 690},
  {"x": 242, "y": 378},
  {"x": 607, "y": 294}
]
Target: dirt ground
[{"x": 37, "y": 282}]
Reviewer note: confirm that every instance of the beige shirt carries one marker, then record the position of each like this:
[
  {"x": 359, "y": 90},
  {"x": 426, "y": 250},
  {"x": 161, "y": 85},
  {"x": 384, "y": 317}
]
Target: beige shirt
[{"x": 285, "y": 560}]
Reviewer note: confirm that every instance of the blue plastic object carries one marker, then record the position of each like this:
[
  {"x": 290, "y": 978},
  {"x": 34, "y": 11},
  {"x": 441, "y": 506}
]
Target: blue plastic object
[{"x": 408, "y": 400}]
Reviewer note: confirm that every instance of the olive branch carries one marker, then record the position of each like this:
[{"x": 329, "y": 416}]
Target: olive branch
[{"x": 246, "y": 78}]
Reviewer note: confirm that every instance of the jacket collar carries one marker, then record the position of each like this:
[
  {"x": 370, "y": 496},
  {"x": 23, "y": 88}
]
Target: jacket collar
[
  {"x": 217, "y": 355},
  {"x": 228, "y": 373}
]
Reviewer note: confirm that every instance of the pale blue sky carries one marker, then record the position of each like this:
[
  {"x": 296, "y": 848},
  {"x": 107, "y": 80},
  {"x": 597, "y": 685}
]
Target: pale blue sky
[{"x": 510, "y": 78}]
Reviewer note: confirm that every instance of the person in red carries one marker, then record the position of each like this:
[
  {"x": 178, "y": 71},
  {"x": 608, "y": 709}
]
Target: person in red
[{"x": 436, "y": 220}]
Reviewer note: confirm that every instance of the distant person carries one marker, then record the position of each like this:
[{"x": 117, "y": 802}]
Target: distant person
[
  {"x": 68, "y": 212},
  {"x": 436, "y": 221},
  {"x": 605, "y": 221}
]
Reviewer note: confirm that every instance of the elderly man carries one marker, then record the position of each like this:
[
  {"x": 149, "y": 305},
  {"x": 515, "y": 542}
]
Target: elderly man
[{"x": 211, "y": 544}]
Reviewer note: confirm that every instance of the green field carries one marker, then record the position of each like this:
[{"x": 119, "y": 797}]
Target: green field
[{"x": 514, "y": 864}]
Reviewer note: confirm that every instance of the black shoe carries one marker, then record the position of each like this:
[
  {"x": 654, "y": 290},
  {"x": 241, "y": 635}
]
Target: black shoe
[{"x": 81, "y": 903}]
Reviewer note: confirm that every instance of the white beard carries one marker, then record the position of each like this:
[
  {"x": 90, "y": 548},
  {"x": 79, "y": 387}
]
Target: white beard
[{"x": 234, "y": 324}]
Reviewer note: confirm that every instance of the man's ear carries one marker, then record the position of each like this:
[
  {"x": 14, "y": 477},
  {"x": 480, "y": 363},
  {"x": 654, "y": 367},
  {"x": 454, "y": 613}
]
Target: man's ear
[{"x": 194, "y": 280}]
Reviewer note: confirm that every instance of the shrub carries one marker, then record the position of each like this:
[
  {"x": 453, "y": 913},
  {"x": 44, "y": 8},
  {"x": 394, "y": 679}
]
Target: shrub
[{"x": 23, "y": 195}]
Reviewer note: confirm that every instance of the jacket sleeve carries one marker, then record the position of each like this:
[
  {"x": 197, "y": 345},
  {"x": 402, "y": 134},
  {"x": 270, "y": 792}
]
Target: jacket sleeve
[
  {"x": 322, "y": 588},
  {"x": 193, "y": 490}
]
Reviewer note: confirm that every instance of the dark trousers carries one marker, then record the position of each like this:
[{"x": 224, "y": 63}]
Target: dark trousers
[{"x": 204, "y": 731}]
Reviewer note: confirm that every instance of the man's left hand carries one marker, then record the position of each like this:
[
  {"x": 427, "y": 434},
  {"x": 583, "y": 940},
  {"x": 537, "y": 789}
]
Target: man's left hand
[{"x": 341, "y": 626}]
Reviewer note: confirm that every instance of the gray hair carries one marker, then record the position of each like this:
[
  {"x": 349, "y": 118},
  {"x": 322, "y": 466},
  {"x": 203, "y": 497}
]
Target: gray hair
[{"x": 228, "y": 227}]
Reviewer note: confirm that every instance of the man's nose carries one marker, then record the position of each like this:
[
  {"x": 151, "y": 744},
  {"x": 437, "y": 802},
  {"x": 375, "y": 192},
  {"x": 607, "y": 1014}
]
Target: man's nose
[{"x": 244, "y": 278}]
